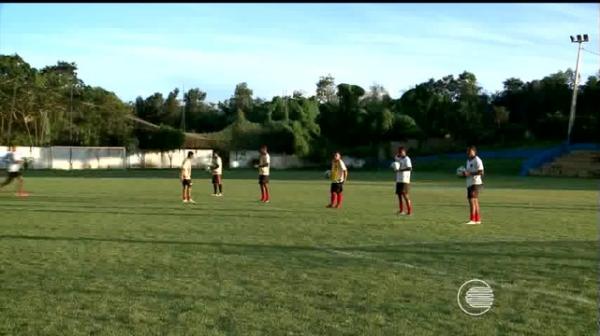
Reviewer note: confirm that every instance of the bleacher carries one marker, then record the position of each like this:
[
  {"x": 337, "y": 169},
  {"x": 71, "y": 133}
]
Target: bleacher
[{"x": 578, "y": 163}]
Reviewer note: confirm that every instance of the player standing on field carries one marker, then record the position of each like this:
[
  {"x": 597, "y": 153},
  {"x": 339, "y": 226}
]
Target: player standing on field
[
  {"x": 217, "y": 174},
  {"x": 263, "y": 166},
  {"x": 15, "y": 164},
  {"x": 403, "y": 181},
  {"x": 339, "y": 174},
  {"x": 474, "y": 172},
  {"x": 186, "y": 178}
]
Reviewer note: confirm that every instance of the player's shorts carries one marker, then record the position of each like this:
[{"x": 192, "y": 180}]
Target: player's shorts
[
  {"x": 216, "y": 179},
  {"x": 337, "y": 187},
  {"x": 186, "y": 182},
  {"x": 402, "y": 187},
  {"x": 11, "y": 176},
  {"x": 263, "y": 179},
  {"x": 474, "y": 190}
]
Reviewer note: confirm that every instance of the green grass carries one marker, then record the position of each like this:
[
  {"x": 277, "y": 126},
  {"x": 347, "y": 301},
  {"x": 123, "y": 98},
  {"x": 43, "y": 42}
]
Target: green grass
[{"x": 120, "y": 255}]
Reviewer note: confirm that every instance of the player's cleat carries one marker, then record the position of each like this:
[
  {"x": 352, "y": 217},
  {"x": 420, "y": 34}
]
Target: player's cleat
[
  {"x": 478, "y": 222},
  {"x": 267, "y": 201},
  {"x": 192, "y": 201},
  {"x": 338, "y": 206},
  {"x": 472, "y": 223},
  {"x": 22, "y": 194},
  {"x": 400, "y": 213},
  {"x": 219, "y": 195},
  {"x": 215, "y": 195},
  {"x": 329, "y": 206},
  {"x": 185, "y": 201}
]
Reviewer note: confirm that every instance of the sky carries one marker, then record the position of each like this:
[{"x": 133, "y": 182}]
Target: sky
[{"x": 138, "y": 49}]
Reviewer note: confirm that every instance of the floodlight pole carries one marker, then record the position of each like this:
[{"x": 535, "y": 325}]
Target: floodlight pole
[{"x": 579, "y": 41}]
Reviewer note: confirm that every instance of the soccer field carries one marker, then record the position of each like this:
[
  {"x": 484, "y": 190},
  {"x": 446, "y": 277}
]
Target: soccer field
[{"x": 121, "y": 255}]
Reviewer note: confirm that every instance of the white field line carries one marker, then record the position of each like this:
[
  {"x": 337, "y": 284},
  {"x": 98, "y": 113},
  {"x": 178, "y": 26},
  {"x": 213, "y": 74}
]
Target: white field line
[
  {"x": 555, "y": 294},
  {"x": 362, "y": 256}
]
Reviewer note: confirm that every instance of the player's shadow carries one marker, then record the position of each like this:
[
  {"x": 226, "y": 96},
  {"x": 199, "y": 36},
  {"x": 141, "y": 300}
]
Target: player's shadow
[
  {"x": 110, "y": 211},
  {"x": 262, "y": 208},
  {"x": 571, "y": 250},
  {"x": 518, "y": 206},
  {"x": 492, "y": 248}
]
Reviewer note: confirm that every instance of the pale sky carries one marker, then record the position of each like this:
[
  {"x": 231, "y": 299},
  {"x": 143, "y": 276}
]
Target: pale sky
[{"x": 139, "y": 49}]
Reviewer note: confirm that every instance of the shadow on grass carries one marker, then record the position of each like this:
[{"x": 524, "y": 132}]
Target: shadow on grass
[
  {"x": 74, "y": 202},
  {"x": 142, "y": 213},
  {"x": 127, "y": 291},
  {"x": 571, "y": 250},
  {"x": 445, "y": 177}
]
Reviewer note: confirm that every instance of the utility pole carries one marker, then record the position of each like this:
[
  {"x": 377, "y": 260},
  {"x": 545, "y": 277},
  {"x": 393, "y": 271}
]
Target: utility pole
[{"x": 579, "y": 40}]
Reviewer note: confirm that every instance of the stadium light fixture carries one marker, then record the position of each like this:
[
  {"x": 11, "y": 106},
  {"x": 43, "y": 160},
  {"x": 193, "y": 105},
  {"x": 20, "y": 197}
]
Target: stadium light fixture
[{"x": 579, "y": 40}]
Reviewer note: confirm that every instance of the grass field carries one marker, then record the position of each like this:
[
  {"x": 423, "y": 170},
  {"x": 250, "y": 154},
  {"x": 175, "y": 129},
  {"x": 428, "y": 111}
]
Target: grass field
[{"x": 117, "y": 253}]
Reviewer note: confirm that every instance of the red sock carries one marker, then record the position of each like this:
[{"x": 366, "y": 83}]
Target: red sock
[
  {"x": 267, "y": 196},
  {"x": 409, "y": 207},
  {"x": 477, "y": 217},
  {"x": 400, "y": 203},
  {"x": 472, "y": 216},
  {"x": 340, "y": 197},
  {"x": 262, "y": 194},
  {"x": 333, "y": 199}
]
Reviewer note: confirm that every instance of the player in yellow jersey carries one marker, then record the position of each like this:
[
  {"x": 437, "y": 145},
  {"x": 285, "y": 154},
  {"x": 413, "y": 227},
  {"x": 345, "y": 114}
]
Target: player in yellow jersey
[{"x": 339, "y": 174}]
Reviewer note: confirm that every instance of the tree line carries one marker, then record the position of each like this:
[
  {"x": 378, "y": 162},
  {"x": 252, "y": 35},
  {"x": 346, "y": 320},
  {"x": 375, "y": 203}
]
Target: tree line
[{"x": 52, "y": 106}]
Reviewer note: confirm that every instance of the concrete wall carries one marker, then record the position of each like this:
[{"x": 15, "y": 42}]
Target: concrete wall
[
  {"x": 243, "y": 159},
  {"x": 75, "y": 158},
  {"x": 172, "y": 159}
]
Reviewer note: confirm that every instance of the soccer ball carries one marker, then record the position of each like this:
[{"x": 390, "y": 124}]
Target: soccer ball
[
  {"x": 327, "y": 174},
  {"x": 460, "y": 171},
  {"x": 235, "y": 164},
  {"x": 395, "y": 166}
]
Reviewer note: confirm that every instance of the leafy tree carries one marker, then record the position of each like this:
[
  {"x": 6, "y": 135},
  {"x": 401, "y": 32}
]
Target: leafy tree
[
  {"x": 171, "y": 112},
  {"x": 165, "y": 138},
  {"x": 326, "y": 90}
]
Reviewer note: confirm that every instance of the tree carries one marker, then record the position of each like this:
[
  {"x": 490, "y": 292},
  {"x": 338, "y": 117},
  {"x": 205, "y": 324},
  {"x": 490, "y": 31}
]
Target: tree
[
  {"x": 164, "y": 139},
  {"x": 242, "y": 99},
  {"x": 501, "y": 115},
  {"x": 326, "y": 89},
  {"x": 151, "y": 108},
  {"x": 171, "y": 111}
]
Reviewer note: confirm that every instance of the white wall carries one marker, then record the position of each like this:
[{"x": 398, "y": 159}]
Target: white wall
[
  {"x": 243, "y": 159},
  {"x": 66, "y": 158},
  {"x": 76, "y": 158},
  {"x": 172, "y": 159},
  {"x": 40, "y": 156}
]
